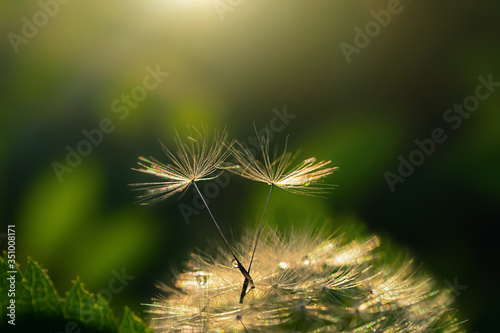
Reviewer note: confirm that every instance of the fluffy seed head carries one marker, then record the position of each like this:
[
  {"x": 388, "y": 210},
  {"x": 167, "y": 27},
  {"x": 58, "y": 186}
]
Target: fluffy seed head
[
  {"x": 197, "y": 158},
  {"x": 304, "y": 283}
]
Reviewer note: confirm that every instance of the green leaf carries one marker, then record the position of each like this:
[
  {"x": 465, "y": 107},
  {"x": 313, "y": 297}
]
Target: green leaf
[
  {"x": 106, "y": 315},
  {"x": 45, "y": 301},
  {"x": 39, "y": 307},
  {"x": 22, "y": 293},
  {"x": 133, "y": 324},
  {"x": 81, "y": 305}
]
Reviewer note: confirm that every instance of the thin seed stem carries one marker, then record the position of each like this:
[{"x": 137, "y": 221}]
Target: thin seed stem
[
  {"x": 240, "y": 266},
  {"x": 213, "y": 219},
  {"x": 245, "y": 283},
  {"x": 244, "y": 327},
  {"x": 260, "y": 229}
]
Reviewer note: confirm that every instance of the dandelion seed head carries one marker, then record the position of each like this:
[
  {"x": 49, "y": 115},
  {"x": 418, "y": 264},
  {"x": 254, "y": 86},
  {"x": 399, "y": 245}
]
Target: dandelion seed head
[
  {"x": 304, "y": 280},
  {"x": 298, "y": 279}
]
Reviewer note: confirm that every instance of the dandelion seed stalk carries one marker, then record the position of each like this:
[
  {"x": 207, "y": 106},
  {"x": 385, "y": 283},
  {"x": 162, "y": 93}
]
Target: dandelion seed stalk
[
  {"x": 245, "y": 284},
  {"x": 260, "y": 228},
  {"x": 242, "y": 269}
]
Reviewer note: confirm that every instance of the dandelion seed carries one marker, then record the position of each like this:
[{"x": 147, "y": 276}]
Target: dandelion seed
[
  {"x": 301, "y": 179},
  {"x": 196, "y": 160}
]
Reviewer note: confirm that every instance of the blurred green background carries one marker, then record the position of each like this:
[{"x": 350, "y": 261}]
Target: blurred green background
[{"x": 234, "y": 68}]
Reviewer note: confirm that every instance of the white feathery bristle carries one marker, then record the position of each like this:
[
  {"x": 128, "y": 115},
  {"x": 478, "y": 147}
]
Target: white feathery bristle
[{"x": 303, "y": 283}]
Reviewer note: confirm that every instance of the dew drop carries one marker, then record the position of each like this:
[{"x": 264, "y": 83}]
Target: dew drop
[
  {"x": 234, "y": 263},
  {"x": 202, "y": 280}
]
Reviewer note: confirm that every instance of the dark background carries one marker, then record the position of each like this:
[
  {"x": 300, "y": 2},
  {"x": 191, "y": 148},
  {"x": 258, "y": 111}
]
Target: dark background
[{"x": 262, "y": 56}]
